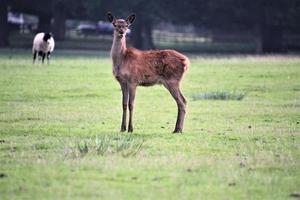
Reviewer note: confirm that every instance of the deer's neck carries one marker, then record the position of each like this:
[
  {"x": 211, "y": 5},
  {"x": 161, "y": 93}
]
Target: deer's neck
[{"x": 118, "y": 50}]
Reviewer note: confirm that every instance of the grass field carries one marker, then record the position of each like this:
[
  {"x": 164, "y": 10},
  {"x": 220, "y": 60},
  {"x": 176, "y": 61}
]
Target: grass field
[{"x": 60, "y": 135}]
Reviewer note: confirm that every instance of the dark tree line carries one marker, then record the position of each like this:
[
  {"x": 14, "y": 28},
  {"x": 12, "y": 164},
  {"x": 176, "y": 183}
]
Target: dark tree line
[
  {"x": 3, "y": 24},
  {"x": 268, "y": 20}
]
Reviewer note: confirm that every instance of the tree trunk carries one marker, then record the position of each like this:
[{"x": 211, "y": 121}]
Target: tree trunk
[
  {"x": 59, "y": 26},
  {"x": 272, "y": 39},
  {"x": 3, "y": 24},
  {"x": 147, "y": 30},
  {"x": 142, "y": 35},
  {"x": 258, "y": 39},
  {"x": 136, "y": 35},
  {"x": 44, "y": 23}
]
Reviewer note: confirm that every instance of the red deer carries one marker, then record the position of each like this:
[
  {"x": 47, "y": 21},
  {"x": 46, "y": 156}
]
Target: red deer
[{"x": 132, "y": 68}]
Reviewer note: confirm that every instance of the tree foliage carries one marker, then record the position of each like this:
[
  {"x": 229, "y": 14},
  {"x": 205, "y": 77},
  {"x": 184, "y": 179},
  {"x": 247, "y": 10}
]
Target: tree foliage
[{"x": 268, "y": 19}]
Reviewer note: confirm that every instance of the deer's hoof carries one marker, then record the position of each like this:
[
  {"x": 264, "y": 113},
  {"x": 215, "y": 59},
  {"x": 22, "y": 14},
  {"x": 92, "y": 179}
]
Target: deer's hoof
[
  {"x": 123, "y": 129},
  {"x": 130, "y": 130},
  {"x": 177, "y": 130}
]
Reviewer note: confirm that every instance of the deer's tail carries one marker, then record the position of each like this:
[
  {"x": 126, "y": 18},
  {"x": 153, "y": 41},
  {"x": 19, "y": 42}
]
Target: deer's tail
[{"x": 186, "y": 63}]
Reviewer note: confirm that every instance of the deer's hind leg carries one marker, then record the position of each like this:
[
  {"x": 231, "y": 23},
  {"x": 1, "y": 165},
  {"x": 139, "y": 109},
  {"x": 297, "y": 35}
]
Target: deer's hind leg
[{"x": 174, "y": 90}]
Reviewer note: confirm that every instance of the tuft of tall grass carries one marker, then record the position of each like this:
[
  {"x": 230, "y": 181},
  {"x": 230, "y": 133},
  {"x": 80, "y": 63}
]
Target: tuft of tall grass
[
  {"x": 103, "y": 145},
  {"x": 83, "y": 149},
  {"x": 219, "y": 96},
  {"x": 128, "y": 145}
]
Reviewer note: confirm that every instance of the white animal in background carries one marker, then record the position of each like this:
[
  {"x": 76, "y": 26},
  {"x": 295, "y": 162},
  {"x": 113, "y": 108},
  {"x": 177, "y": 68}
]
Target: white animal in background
[{"x": 43, "y": 45}]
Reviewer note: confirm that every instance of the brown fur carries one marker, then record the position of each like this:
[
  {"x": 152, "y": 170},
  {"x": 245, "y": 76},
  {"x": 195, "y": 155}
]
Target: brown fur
[
  {"x": 132, "y": 68},
  {"x": 147, "y": 68}
]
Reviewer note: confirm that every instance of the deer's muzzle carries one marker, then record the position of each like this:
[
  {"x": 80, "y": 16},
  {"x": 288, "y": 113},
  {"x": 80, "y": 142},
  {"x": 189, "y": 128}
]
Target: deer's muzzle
[{"x": 121, "y": 35}]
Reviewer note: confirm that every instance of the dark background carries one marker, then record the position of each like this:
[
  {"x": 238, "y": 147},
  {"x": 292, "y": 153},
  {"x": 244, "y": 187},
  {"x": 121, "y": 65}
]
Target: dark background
[{"x": 250, "y": 26}]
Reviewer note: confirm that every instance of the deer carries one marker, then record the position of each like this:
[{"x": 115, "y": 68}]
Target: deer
[{"x": 133, "y": 67}]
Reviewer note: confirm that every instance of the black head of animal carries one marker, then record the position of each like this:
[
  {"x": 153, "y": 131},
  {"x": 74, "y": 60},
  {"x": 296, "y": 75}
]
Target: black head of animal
[{"x": 47, "y": 36}]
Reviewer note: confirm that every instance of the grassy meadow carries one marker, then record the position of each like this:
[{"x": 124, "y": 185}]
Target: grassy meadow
[{"x": 60, "y": 139}]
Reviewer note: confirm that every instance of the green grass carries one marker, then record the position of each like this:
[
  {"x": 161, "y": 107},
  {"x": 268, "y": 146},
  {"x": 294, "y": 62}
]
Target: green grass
[{"x": 59, "y": 131}]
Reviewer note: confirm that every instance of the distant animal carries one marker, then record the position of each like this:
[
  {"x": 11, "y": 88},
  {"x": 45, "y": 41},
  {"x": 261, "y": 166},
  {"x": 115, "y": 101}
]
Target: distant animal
[
  {"x": 43, "y": 45},
  {"x": 132, "y": 68}
]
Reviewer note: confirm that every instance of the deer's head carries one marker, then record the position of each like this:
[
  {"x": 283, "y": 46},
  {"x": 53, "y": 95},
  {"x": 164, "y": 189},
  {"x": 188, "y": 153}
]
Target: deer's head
[{"x": 121, "y": 25}]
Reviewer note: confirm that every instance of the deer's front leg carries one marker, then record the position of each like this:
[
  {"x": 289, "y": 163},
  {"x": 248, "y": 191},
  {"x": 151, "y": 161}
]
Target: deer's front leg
[
  {"x": 124, "y": 105},
  {"x": 132, "y": 90}
]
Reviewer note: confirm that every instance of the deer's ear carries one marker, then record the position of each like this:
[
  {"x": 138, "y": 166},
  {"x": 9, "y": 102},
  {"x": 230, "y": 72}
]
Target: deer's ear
[
  {"x": 130, "y": 19},
  {"x": 110, "y": 17}
]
